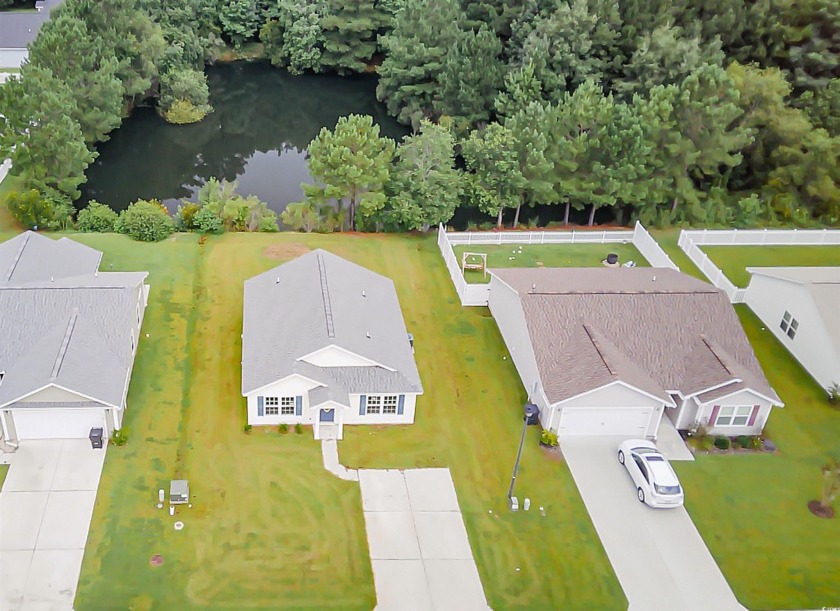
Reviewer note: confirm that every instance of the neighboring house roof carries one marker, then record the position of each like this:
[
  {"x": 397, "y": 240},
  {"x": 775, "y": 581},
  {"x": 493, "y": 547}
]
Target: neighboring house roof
[
  {"x": 823, "y": 283},
  {"x": 320, "y": 300},
  {"x": 19, "y": 28},
  {"x": 655, "y": 329},
  {"x": 64, "y": 323}
]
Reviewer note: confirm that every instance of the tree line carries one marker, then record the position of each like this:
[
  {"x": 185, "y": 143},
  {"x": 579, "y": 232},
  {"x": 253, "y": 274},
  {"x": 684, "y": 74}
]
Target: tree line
[{"x": 717, "y": 112}]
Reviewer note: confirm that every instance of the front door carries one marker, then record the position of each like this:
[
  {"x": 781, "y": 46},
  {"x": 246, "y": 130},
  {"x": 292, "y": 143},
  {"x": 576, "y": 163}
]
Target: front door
[{"x": 327, "y": 415}]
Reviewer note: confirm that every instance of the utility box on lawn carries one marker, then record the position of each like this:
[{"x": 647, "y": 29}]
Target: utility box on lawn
[{"x": 179, "y": 492}]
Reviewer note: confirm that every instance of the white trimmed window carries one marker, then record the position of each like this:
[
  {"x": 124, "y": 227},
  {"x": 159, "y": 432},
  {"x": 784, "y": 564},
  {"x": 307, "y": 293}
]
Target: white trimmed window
[
  {"x": 287, "y": 406},
  {"x": 730, "y": 415},
  {"x": 789, "y": 325},
  {"x": 374, "y": 404},
  {"x": 389, "y": 404},
  {"x": 272, "y": 406}
]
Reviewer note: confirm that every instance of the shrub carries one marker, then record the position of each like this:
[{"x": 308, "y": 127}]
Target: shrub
[
  {"x": 247, "y": 428},
  {"x": 834, "y": 394},
  {"x": 32, "y": 209},
  {"x": 756, "y": 443},
  {"x": 96, "y": 217},
  {"x": 207, "y": 221},
  {"x": 119, "y": 437},
  {"x": 298, "y": 428},
  {"x": 283, "y": 428},
  {"x": 185, "y": 217},
  {"x": 722, "y": 443},
  {"x": 744, "y": 441},
  {"x": 548, "y": 438},
  {"x": 146, "y": 221},
  {"x": 184, "y": 96}
]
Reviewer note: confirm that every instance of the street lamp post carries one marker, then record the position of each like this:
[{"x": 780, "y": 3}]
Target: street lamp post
[{"x": 529, "y": 412}]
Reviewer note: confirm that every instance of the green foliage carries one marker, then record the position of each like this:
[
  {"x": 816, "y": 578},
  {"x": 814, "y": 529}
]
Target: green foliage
[
  {"x": 744, "y": 441},
  {"x": 548, "y": 438},
  {"x": 222, "y": 209},
  {"x": 146, "y": 221},
  {"x": 295, "y": 39},
  {"x": 823, "y": 107},
  {"x": 240, "y": 20},
  {"x": 722, "y": 442},
  {"x": 425, "y": 186},
  {"x": 119, "y": 437},
  {"x": 283, "y": 428},
  {"x": 353, "y": 163},
  {"x": 313, "y": 215},
  {"x": 349, "y": 34},
  {"x": 32, "y": 210},
  {"x": 184, "y": 96},
  {"x": 96, "y": 217},
  {"x": 185, "y": 216},
  {"x": 298, "y": 428},
  {"x": 206, "y": 220},
  {"x": 247, "y": 428}
]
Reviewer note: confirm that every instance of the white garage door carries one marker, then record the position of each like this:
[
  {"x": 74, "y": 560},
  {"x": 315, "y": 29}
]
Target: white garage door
[
  {"x": 605, "y": 421},
  {"x": 57, "y": 423}
]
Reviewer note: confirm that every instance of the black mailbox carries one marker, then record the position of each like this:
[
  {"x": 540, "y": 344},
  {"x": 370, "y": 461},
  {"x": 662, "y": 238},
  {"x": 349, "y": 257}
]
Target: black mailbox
[{"x": 95, "y": 438}]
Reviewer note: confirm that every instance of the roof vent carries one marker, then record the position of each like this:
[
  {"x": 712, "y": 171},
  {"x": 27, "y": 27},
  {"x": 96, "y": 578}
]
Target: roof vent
[
  {"x": 534, "y": 287},
  {"x": 277, "y": 281},
  {"x": 52, "y": 278},
  {"x": 364, "y": 294},
  {"x": 367, "y": 334},
  {"x": 654, "y": 279}
]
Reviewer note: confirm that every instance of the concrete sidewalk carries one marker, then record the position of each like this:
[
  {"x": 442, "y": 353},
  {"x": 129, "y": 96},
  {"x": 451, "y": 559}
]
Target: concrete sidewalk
[
  {"x": 660, "y": 559},
  {"x": 45, "y": 509}
]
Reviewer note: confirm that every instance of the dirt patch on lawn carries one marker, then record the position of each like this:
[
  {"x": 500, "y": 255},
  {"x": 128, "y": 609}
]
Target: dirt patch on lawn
[{"x": 285, "y": 251}]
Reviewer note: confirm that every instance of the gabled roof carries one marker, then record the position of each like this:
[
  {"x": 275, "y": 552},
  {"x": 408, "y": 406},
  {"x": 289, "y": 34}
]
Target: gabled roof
[
  {"x": 655, "y": 329},
  {"x": 823, "y": 284},
  {"x": 319, "y": 300},
  {"x": 63, "y": 323}
]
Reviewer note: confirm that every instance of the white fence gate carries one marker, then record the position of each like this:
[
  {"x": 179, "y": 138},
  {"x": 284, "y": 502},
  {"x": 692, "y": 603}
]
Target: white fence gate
[
  {"x": 690, "y": 240},
  {"x": 478, "y": 294}
]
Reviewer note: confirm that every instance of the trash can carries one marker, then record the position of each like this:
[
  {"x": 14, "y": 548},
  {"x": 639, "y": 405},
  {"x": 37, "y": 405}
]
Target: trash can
[{"x": 95, "y": 438}]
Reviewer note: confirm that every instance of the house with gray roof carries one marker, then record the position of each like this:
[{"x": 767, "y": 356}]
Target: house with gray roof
[
  {"x": 801, "y": 307},
  {"x": 68, "y": 337},
  {"x": 324, "y": 343},
  {"x": 19, "y": 28},
  {"x": 620, "y": 351}
]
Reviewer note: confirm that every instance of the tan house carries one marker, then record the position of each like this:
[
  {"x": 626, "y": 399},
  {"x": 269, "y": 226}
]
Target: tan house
[{"x": 612, "y": 351}]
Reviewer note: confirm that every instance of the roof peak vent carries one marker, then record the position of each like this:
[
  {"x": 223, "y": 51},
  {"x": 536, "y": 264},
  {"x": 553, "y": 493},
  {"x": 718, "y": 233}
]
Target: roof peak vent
[{"x": 325, "y": 295}]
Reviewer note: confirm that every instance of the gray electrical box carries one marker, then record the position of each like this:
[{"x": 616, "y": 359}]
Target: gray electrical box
[{"x": 179, "y": 492}]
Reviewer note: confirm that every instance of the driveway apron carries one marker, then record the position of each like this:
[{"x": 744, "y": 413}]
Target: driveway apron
[
  {"x": 658, "y": 556},
  {"x": 45, "y": 509}
]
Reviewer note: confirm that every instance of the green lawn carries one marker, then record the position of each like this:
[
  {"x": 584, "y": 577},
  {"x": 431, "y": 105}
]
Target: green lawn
[
  {"x": 270, "y": 528},
  {"x": 4, "y": 470},
  {"x": 734, "y": 260},
  {"x": 546, "y": 255},
  {"x": 751, "y": 509}
]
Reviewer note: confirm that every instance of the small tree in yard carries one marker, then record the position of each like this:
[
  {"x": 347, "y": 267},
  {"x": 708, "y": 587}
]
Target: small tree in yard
[
  {"x": 96, "y": 217},
  {"x": 830, "y": 489},
  {"x": 146, "y": 221}
]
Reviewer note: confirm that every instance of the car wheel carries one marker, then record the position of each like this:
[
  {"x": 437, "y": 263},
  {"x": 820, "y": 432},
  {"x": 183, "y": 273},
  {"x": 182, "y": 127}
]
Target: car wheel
[
  {"x": 621, "y": 457},
  {"x": 641, "y": 495}
]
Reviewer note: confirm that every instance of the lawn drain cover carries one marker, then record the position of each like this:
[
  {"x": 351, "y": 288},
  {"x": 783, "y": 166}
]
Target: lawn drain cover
[
  {"x": 179, "y": 525},
  {"x": 156, "y": 560}
]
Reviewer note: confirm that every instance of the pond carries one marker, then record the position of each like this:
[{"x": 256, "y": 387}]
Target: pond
[{"x": 264, "y": 119}]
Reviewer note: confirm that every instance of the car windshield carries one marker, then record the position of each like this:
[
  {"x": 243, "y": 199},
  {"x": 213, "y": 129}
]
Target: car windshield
[{"x": 656, "y": 458}]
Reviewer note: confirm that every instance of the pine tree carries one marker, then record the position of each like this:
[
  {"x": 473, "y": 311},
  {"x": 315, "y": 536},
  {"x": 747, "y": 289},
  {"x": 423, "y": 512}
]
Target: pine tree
[
  {"x": 350, "y": 31},
  {"x": 530, "y": 128}
]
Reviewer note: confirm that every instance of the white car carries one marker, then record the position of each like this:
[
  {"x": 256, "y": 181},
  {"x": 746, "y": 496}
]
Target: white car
[{"x": 656, "y": 483}]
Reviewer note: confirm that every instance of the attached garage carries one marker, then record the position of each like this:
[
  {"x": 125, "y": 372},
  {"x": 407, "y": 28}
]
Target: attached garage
[
  {"x": 630, "y": 421},
  {"x": 56, "y": 423}
]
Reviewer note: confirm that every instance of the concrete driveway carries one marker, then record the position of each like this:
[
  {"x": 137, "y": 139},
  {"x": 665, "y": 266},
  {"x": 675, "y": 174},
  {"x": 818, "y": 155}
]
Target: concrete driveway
[
  {"x": 658, "y": 556},
  {"x": 45, "y": 509}
]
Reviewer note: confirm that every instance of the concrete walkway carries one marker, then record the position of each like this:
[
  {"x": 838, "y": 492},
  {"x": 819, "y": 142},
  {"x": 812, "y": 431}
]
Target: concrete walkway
[
  {"x": 670, "y": 443},
  {"x": 419, "y": 550},
  {"x": 660, "y": 559},
  {"x": 45, "y": 509}
]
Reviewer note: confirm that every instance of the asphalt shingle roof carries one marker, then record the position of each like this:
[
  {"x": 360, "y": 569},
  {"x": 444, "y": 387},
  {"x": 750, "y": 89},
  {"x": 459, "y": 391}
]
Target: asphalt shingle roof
[
  {"x": 653, "y": 328},
  {"x": 318, "y": 300},
  {"x": 62, "y": 322}
]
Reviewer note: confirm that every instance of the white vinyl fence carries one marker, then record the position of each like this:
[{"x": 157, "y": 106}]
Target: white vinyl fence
[
  {"x": 478, "y": 294},
  {"x": 690, "y": 240}
]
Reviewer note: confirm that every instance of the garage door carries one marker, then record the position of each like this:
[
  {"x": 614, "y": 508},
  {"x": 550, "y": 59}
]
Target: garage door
[
  {"x": 631, "y": 421},
  {"x": 57, "y": 423}
]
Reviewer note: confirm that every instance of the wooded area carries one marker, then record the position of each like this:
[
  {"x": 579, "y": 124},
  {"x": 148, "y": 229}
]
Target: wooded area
[{"x": 720, "y": 112}]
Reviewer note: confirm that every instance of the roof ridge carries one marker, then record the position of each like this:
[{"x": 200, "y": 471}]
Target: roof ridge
[
  {"x": 598, "y": 349},
  {"x": 59, "y": 360},
  {"x": 325, "y": 295},
  {"x": 18, "y": 255}
]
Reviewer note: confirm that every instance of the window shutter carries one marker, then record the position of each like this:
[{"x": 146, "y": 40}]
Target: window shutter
[
  {"x": 298, "y": 405},
  {"x": 362, "y": 405},
  {"x": 260, "y": 409},
  {"x": 754, "y": 415},
  {"x": 713, "y": 417},
  {"x": 401, "y": 404}
]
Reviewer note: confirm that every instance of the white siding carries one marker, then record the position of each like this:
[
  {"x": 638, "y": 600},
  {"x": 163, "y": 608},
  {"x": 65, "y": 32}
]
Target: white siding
[
  {"x": 770, "y": 298},
  {"x": 745, "y": 397},
  {"x": 351, "y": 416},
  {"x": 613, "y": 396},
  {"x": 52, "y": 394},
  {"x": 506, "y": 309},
  {"x": 333, "y": 356},
  {"x": 288, "y": 387},
  {"x": 12, "y": 58},
  {"x": 57, "y": 423}
]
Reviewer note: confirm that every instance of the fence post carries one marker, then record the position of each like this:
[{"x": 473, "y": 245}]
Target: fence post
[{"x": 542, "y": 238}]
